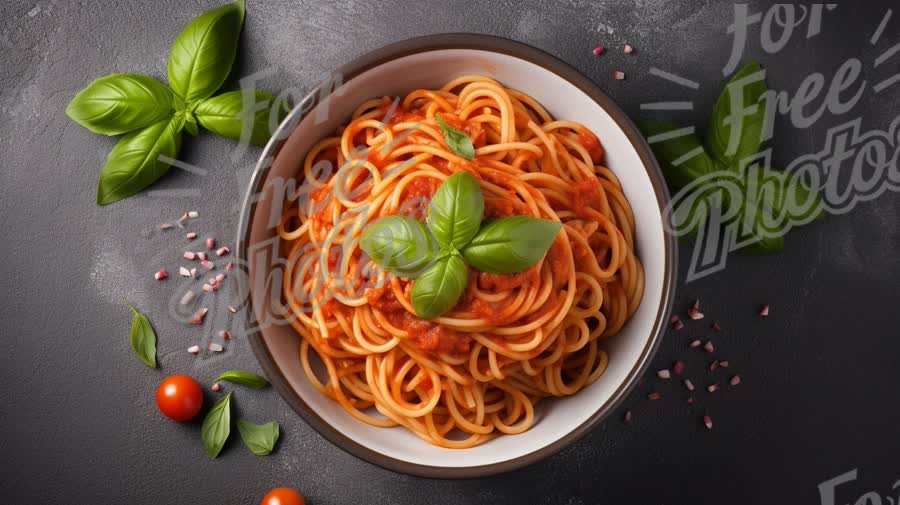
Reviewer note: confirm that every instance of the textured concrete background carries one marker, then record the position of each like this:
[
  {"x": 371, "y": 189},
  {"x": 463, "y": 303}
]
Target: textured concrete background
[{"x": 820, "y": 395}]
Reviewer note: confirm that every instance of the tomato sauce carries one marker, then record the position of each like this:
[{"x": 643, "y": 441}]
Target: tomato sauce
[
  {"x": 585, "y": 195},
  {"x": 507, "y": 282},
  {"x": 496, "y": 208},
  {"x": 592, "y": 144}
]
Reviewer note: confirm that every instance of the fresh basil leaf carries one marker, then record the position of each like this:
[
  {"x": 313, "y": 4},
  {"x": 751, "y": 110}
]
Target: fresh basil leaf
[
  {"x": 243, "y": 378},
  {"x": 120, "y": 103},
  {"x": 227, "y": 115},
  {"x": 682, "y": 157},
  {"x": 438, "y": 289},
  {"x": 775, "y": 201},
  {"x": 399, "y": 244},
  {"x": 143, "y": 338},
  {"x": 217, "y": 426},
  {"x": 456, "y": 210},
  {"x": 732, "y": 144},
  {"x": 133, "y": 164},
  {"x": 510, "y": 245},
  {"x": 457, "y": 141},
  {"x": 259, "y": 438},
  {"x": 204, "y": 52}
]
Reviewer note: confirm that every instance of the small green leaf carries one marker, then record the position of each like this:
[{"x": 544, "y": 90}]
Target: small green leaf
[
  {"x": 217, "y": 426},
  {"x": 227, "y": 115},
  {"x": 510, "y": 245},
  {"x": 456, "y": 210},
  {"x": 457, "y": 141},
  {"x": 120, "y": 103},
  {"x": 399, "y": 244},
  {"x": 681, "y": 156},
  {"x": 733, "y": 143},
  {"x": 259, "y": 438},
  {"x": 133, "y": 164},
  {"x": 143, "y": 338},
  {"x": 438, "y": 289},
  {"x": 204, "y": 52},
  {"x": 775, "y": 201},
  {"x": 243, "y": 378}
]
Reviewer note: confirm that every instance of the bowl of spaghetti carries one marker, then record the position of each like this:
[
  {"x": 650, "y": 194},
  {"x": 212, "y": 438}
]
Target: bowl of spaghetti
[{"x": 455, "y": 256}]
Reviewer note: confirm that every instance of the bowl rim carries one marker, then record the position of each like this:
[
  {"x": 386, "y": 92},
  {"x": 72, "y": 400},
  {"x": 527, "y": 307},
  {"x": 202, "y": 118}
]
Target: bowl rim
[{"x": 373, "y": 59}]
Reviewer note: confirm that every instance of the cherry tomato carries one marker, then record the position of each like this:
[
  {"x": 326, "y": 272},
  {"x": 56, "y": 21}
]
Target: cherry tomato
[
  {"x": 179, "y": 397},
  {"x": 283, "y": 496}
]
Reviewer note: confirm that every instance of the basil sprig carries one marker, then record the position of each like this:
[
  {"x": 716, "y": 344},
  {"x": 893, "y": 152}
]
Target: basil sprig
[
  {"x": 153, "y": 116},
  {"x": 143, "y": 338},
  {"x": 727, "y": 147},
  {"x": 217, "y": 426},
  {"x": 259, "y": 438},
  {"x": 457, "y": 141},
  {"x": 243, "y": 378},
  {"x": 404, "y": 245}
]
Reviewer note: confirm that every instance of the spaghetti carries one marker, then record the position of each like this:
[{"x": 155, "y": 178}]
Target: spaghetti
[{"x": 478, "y": 370}]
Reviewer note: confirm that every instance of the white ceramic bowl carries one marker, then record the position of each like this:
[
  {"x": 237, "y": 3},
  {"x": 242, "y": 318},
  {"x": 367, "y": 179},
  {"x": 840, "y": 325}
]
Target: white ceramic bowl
[{"x": 429, "y": 62}]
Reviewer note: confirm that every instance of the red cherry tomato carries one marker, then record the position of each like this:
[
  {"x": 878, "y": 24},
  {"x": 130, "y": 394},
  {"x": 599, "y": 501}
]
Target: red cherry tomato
[
  {"x": 179, "y": 397},
  {"x": 283, "y": 496}
]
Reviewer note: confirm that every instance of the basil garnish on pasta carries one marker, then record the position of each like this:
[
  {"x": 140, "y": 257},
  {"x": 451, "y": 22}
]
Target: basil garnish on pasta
[{"x": 457, "y": 141}]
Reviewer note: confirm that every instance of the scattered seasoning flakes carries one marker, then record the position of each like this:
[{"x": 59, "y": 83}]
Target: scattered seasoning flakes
[
  {"x": 214, "y": 347},
  {"x": 215, "y": 388},
  {"x": 708, "y": 346},
  {"x": 654, "y": 396},
  {"x": 207, "y": 264},
  {"x": 695, "y": 343},
  {"x": 663, "y": 374},
  {"x": 627, "y": 418},
  {"x": 708, "y": 422},
  {"x": 598, "y": 50},
  {"x": 723, "y": 364},
  {"x": 191, "y": 236},
  {"x": 619, "y": 75},
  {"x": 188, "y": 255},
  {"x": 712, "y": 388},
  {"x": 229, "y": 266},
  {"x": 232, "y": 309},
  {"x": 222, "y": 251},
  {"x": 735, "y": 380},
  {"x": 199, "y": 315},
  {"x": 678, "y": 367},
  {"x": 210, "y": 243},
  {"x": 187, "y": 297},
  {"x": 165, "y": 226},
  {"x": 715, "y": 327},
  {"x": 764, "y": 311},
  {"x": 225, "y": 334},
  {"x": 194, "y": 349},
  {"x": 713, "y": 366},
  {"x": 628, "y": 49},
  {"x": 162, "y": 274},
  {"x": 688, "y": 384}
]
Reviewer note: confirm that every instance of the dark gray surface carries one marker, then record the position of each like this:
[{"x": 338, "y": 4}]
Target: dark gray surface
[{"x": 820, "y": 394}]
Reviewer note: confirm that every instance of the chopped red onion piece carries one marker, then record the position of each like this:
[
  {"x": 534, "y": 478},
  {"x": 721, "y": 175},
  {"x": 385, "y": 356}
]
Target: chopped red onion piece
[
  {"x": 215, "y": 388},
  {"x": 220, "y": 277},
  {"x": 187, "y": 297},
  {"x": 735, "y": 380},
  {"x": 708, "y": 346},
  {"x": 184, "y": 272},
  {"x": 695, "y": 314},
  {"x": 207, "y": 264},
  {"x": 165, "y": 226},
  {"x": 191, "y": 236},
  {"x": 695, "y": 343},
  {"x": 712, "y": 388},
  {"x": 193, "y": 214},
  {"x": 225, "y": 334},
  {"x": 663, "y": 374},
  {"x": 199, "y": 315},
  {"x": 214, "y": 347},
  {"x": 715, "y": 327},
  {"x": 708, "y": 422},
  {"x": 678, "y": 367},
  {"x": 627, "y": 418},
  {"x": 598, "y": 50},
  {"x": 162, "y": 274},
  {"x": 688, "y": 384},
  {"x": 764, "y": 311},
  {"x": 232, "y": 309},
  {"x": 229, "y": 266},
  {"x": 194, "y": 349},
  {"x": 723, "y": 364},
  {"x": 201, "y": 256},
  {"x": 194, "y": 272},
  {"x": 188, "y": 255},
  {"x": 619, "y": 75},
  {"x": 210, "y": 243},
  {"x": 208, "y": 288},
  {"x": 654, "y": 396},
  {"x": 222, "y": 251},
  {"x": 678, "y": 325},
  {"x": 674, "y": 318},
  {"x": 713, "y": 366},
  {"x": 628, "y": 49}
]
